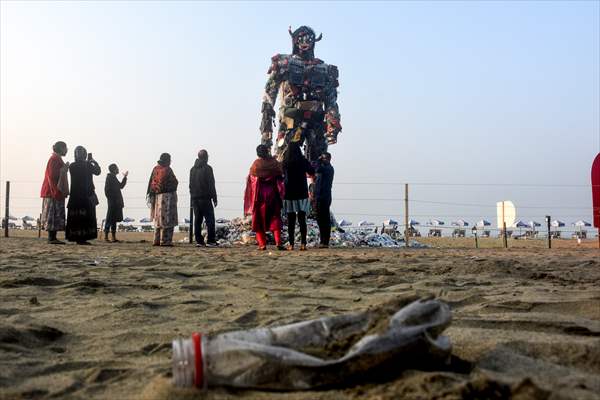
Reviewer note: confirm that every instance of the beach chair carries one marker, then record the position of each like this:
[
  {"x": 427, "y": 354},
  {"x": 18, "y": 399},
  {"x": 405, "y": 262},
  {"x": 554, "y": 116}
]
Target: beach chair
[{"x": 434, "y": 233}]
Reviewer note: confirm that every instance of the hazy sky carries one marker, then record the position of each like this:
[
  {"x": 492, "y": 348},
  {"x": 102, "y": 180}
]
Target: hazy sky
[{"x": 437, "y": 93}]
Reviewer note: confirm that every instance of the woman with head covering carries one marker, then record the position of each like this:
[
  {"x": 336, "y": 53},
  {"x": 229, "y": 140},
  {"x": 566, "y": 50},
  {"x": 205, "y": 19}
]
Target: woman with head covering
[
  {"x": 114, "y": 197},
  {"x": 53, "y": 194},
  {"x": 295, "y": 201},
  {"x": 162, "y": 199},
  {"x": 262, "y": 199},
  {"x": 81, "y": 217}
]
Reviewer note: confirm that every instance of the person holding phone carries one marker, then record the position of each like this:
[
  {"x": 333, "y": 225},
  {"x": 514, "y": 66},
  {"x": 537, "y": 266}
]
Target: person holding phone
[
  {"x": 114, "y": 197},
  {"x": 81, "y": 215}
]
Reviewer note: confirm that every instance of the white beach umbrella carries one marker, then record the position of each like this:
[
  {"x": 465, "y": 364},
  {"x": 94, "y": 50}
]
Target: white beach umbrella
[
  {"x": 557, "y": 224},
  {"x": 460, "y": 222},
  {"x": 186, "y": 220},
  {"x": 581, "y": 223},
  {"x": 365, "y": 223},
  {"x": 390, "y": 222},
  {"x": 533, "y": 224},
  {"x": 28, "y": 218},
  {"x": 412, "y": 222},
  {"x": 12, "y": 218},
  {"x": 145, "y": 220},
  {"x": 481, "y": 223},
  {"x": 128, "y": 219},
  {"x": 520, "y": 224},
  {"x": 345, "y": 222},
  {"x": 436, "y": 222}
]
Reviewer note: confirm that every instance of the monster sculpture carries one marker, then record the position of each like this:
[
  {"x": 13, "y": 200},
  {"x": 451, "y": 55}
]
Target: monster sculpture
[{"x": 308, "y": 111}]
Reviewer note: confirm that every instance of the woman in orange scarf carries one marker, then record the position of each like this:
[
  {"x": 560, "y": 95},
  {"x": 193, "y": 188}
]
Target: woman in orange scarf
[
  {"x": 162, "y": 199},
  {"x": 263, "y": 197}
]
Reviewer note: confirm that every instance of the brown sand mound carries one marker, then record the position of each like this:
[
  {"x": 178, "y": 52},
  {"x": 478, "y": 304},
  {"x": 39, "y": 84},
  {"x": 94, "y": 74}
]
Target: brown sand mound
[{"x": 97, "y": 322}]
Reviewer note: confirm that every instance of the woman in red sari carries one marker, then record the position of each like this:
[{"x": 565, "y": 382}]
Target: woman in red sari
[{"x": 263, "y": 197}]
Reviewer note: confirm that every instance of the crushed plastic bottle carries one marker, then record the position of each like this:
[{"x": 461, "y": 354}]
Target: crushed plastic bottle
[{"x": 303, "y": 355}]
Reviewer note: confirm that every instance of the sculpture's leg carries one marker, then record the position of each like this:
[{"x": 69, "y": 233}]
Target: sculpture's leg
[{"x": 316, "y": 144}]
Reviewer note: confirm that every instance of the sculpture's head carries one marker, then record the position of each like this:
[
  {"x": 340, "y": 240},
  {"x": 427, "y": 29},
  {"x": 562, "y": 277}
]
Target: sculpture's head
[{"x": 303, "y": 40}]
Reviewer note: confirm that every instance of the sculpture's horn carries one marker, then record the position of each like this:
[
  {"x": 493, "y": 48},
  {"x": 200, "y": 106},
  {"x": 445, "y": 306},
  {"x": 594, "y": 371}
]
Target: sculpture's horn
[
  {"x": 290, "y": 30},
  {"x": 319, "y": 37}
]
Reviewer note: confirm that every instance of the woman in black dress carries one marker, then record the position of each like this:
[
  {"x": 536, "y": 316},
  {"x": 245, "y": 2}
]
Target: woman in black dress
[
  {"x": 112, "y": 190},
  {"x": 81, "y": 217},
  {"x": 295, "y": 202}
]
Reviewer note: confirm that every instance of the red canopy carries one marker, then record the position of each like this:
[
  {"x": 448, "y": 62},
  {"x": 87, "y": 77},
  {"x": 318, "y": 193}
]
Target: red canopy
[{"x": 596, "y": 190}]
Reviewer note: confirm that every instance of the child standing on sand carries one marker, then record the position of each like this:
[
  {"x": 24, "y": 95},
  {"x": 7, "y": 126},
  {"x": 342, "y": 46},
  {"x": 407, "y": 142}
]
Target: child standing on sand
[{"x": 114, "y": 197}]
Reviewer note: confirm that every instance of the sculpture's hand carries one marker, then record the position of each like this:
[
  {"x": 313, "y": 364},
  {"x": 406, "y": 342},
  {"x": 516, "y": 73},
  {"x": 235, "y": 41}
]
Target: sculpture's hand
[
  {"x": 333, "y": 129},
  {"x": 268, "y": 118},
  {"x": 267, "y": 139}
]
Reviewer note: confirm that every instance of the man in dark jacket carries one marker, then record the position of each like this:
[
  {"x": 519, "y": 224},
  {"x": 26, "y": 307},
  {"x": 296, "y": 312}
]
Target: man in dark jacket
[
  {"x": 204, "y": 195},
  {"x": 323, "y": 186}
]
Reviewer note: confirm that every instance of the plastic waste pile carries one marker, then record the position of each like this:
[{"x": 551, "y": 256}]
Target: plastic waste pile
[
  {"x": 239, "y": 231},
  {"x": 316, "y": 353}
]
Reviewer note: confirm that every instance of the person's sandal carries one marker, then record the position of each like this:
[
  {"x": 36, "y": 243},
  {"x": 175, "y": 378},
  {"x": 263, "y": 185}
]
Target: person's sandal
[
  {"x": 290, "y": 247},
  {"x": 302, "y": 247},
  {"x": 262, "y": 248},
  {"x": 281, "y": 247}
]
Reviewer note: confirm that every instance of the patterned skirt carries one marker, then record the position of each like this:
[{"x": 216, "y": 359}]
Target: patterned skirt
[
  {"x": 53, "y": 214},
  {"x": 295, "y": 206},
  {"x": 164, "y": 211}
]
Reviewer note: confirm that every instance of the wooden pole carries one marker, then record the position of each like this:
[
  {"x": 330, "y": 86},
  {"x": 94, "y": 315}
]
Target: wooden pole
[
  {"x": 39, "y": 225},
  {"x": 6, "y": 208},
  {"x": 191, "y": 231},
  {"x": 504, "y": 236},
  {"x": 406, "y": 229},
  {"x": 549, "y": 235},
  {"x": 476, "y": 241}
]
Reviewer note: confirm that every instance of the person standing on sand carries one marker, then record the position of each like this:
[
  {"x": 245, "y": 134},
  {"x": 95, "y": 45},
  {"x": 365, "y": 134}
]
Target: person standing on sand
[
  {"x": 53, "y": 195},
  {"x": 81, "y": 217},
  {"x": 114, "y": 197},
  {"x": 323, "y": 185},
  {"x": 203, "y": 195},
  {"x": 262, "y": 197},
  {"x": 162, "y": 199},
  {"x": 295, "y": 200}
]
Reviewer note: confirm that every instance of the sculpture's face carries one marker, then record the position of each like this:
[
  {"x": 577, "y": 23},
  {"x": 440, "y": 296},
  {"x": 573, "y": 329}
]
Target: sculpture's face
[{"x": 305, "y": 42}]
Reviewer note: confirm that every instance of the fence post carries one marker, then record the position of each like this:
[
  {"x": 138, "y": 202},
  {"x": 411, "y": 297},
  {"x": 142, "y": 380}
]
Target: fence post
[
  {"x": 6, "y": 208},
  {"x": 406, "y": 229},
  {"x": 476, "y": 241},
  {"x": 191, "y": 231},
  {"x": 504, "y": 235},
  {"x": 549, "y": 236}
]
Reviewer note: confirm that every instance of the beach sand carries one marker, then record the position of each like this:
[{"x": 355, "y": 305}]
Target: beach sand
[{"x": 97, "y": 321}]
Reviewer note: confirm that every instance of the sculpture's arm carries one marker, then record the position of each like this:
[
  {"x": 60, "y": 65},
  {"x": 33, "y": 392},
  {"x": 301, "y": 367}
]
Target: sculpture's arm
[
  {"x": 332, "y": 112},
  {"x": 268, "y": 100}
]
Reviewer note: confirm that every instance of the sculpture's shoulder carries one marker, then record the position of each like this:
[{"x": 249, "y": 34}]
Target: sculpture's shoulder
[
  {"x": 332, "y": 70},
  {"x": 279, "y": 63}
]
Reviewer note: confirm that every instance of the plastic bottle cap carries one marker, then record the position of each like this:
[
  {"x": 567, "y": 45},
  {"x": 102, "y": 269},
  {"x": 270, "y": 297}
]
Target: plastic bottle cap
[{"x": 198, "y": 370}]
